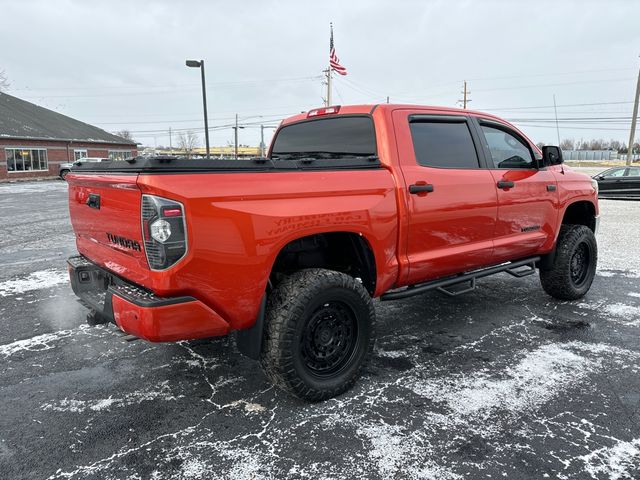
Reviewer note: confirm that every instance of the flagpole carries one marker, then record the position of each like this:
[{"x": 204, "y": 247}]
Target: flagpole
[{"x": 329, "y": 101}]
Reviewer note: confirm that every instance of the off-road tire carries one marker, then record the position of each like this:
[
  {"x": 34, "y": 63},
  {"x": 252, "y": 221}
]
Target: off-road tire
[
  {"x": 323, "y": 299},
  {"x": 574, "y": 266}
]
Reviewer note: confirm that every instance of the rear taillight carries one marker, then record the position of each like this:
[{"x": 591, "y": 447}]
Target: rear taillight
[{"x": 164, "y": 231}]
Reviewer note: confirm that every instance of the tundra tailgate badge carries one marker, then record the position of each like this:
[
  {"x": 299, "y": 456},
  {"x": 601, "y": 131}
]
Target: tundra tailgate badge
[{"x": 124, "y": 242}]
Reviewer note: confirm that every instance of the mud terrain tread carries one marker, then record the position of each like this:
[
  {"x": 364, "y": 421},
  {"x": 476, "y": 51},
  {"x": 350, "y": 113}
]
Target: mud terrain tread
[
  {"x": 556, "y": 281},
  {"x": 285, "y": 306}
]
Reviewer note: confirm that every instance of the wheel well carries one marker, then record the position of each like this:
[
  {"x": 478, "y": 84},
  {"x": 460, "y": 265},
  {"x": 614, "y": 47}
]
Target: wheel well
[
  {"x": 581, "y": 213},
  {"x": 345, "y": 252}
]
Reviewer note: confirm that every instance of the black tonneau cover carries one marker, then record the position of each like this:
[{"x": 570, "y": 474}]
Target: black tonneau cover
[{"x": 167, "y": 164}]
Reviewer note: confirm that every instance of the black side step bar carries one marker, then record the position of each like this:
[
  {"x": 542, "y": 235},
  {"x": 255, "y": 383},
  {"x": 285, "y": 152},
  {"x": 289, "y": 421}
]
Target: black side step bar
[{"x": 512, "y": 268}]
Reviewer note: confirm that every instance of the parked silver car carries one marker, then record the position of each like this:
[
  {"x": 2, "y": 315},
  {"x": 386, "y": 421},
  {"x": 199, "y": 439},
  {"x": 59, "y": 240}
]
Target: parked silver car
[{"x": 66, "y": 167}]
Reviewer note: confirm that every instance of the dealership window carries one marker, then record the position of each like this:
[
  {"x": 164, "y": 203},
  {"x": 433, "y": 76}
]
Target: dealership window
[
  {"x": 26, "y": 159},
  {"x": 119, "y": 154},
  {"x": 78, "y": 154}
]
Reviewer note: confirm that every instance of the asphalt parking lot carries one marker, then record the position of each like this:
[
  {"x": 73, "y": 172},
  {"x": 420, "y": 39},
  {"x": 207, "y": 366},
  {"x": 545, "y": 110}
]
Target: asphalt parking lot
[{"x": 503, "y": 382}]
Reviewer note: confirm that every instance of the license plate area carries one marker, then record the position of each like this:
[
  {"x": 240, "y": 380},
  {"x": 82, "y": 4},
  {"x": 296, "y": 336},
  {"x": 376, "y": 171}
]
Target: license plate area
[{"x": 91, "y": 283}]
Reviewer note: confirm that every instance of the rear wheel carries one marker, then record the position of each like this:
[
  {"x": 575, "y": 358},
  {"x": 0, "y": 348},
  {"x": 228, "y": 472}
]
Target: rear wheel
[
  {"x": 319, "y": 333},
  {"x": 574, "y": 267}
]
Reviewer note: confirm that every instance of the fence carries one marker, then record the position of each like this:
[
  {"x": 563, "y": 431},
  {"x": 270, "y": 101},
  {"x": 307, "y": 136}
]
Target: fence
[{"x": 596, "y": 155}]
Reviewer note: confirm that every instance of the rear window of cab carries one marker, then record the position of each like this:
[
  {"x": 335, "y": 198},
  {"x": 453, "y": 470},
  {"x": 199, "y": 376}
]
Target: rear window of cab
[{"x": 342, "y": 136}]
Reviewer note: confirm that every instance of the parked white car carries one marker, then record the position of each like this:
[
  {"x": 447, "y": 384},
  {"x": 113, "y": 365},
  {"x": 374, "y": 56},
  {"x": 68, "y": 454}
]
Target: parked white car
[{"x": 65, "y": 168}]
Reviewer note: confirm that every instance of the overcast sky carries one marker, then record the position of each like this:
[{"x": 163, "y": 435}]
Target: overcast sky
[{"x": 120, "y": 64}]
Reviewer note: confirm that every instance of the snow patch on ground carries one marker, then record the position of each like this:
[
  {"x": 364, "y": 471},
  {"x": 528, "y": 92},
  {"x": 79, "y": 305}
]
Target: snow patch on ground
[
  {"x": 634, "y": 294},
  {"x": 247, "y": 465},
  {"x": 629, "y": 314},
  {"x": 249, "y": 407},
  {"x": 613, "y": 462},
  {"x": 194, "y": 468},
  {"x": 34, "y": 281},
  {"x": 392, "y": 353},
  {"x": 620, "y": 313},
  {"x": 31, "y": 187},
  {"x": 97, "y": 405},
  {"x": 399, "y": 453},
  {"x": 539, "y": 376},
  {"x": 618, "y": 273},
  {"x": 35, "y": 344}
]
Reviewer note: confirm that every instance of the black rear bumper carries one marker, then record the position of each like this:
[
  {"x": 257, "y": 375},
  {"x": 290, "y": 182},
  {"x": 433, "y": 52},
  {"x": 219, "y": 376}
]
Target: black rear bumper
[{"x": 95, "y": 287}]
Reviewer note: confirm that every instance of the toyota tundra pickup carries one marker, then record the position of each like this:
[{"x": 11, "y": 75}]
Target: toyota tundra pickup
[{"x": 351, "y": 203}]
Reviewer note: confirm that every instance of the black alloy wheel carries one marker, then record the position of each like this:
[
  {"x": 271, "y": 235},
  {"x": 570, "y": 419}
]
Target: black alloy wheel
[{"x": 329, "y": 339}]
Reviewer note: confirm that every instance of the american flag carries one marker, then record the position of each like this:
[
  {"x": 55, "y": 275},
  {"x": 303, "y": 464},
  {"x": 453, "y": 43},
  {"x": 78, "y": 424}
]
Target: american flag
[{"x": 334, "y": 61}]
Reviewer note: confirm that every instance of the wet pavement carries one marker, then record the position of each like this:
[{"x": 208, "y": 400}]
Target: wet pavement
[{"x": 503, "y": 382}]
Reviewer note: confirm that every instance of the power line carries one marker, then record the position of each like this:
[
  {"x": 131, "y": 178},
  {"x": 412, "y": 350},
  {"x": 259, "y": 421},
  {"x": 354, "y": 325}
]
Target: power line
[
  {"x": 504, "y": 109},
  {"x": 170, "y": 86}
]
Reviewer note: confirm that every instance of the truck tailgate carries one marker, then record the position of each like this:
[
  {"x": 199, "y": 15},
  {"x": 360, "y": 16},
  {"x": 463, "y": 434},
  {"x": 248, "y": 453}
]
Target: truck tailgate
[{"x": 105, "y": 213}]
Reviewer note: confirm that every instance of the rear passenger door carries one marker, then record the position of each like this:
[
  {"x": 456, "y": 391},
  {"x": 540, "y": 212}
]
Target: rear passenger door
[
  {"x": 527, "y": 195},
  {"x": 451, "y": 200}
]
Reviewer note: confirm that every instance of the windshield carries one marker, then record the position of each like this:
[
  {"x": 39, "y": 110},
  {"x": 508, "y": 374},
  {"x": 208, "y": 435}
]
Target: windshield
[{"x": 326, "y": 138}]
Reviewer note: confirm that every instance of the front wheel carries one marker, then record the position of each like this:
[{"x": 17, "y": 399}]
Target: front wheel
[
  {"x": 63, "y": 174},
  {"x": 319, "y": 333},
  {"x": 574, "y": 266}
]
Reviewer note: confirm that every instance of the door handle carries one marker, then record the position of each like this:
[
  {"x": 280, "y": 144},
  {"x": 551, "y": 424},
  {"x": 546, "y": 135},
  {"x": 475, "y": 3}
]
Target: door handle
[
  {"x": 505, "y": 184},
  {"x": 415, "y": 188}
]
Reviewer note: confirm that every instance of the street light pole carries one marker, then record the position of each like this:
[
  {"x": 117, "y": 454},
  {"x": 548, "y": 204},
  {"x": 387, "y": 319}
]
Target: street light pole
[{"x": 200, "y": 64}]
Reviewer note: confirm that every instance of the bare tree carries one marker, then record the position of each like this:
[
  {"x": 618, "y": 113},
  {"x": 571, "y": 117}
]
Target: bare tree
[
  {"x": 126, "y": 134},
  {"x": 540, "y": 145},
  {"x": 567, "y": 144},
  {"x": 187, "y": 141},
  {"x": 596, "y": 144},
  {"x": 615, "y": 145},
  {"x": 4, "y": 83}
]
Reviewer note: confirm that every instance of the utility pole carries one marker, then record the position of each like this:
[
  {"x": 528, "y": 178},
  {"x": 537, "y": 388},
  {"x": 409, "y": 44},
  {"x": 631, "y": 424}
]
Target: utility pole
[
  {"x": 555, "y": 109},
  {"x": 262, "y": 153},
  {"x": 170, "y": 142},
  {"x": 387, "y": 98},
  {"x": 236, "y": 137},
  {"x": 465, "y": 96},
  {"x": 632, "y": 135}
]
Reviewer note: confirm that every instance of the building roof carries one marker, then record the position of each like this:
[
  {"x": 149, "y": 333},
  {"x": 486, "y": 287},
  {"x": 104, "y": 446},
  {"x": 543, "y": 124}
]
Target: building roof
[{"x": 24, "y": 120}]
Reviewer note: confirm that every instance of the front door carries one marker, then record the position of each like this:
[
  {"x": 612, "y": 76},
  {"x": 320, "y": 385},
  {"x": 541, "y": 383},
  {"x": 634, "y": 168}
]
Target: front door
[
  {"x": 527, "y": 195},
  {"x": 451, "y": 200}
]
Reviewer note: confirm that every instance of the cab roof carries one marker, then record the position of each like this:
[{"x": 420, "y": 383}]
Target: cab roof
[{"x": 366, "y": 109}]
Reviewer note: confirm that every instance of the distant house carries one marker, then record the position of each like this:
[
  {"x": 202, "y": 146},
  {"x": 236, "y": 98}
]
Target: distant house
[{"x": 34, "y": 141}]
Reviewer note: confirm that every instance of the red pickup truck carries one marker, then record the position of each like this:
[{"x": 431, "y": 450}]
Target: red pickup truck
[{"x": 351, "y": 203}]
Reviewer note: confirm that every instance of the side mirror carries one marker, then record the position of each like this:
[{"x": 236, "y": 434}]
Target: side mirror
[{"x": 551, "y": 155}]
